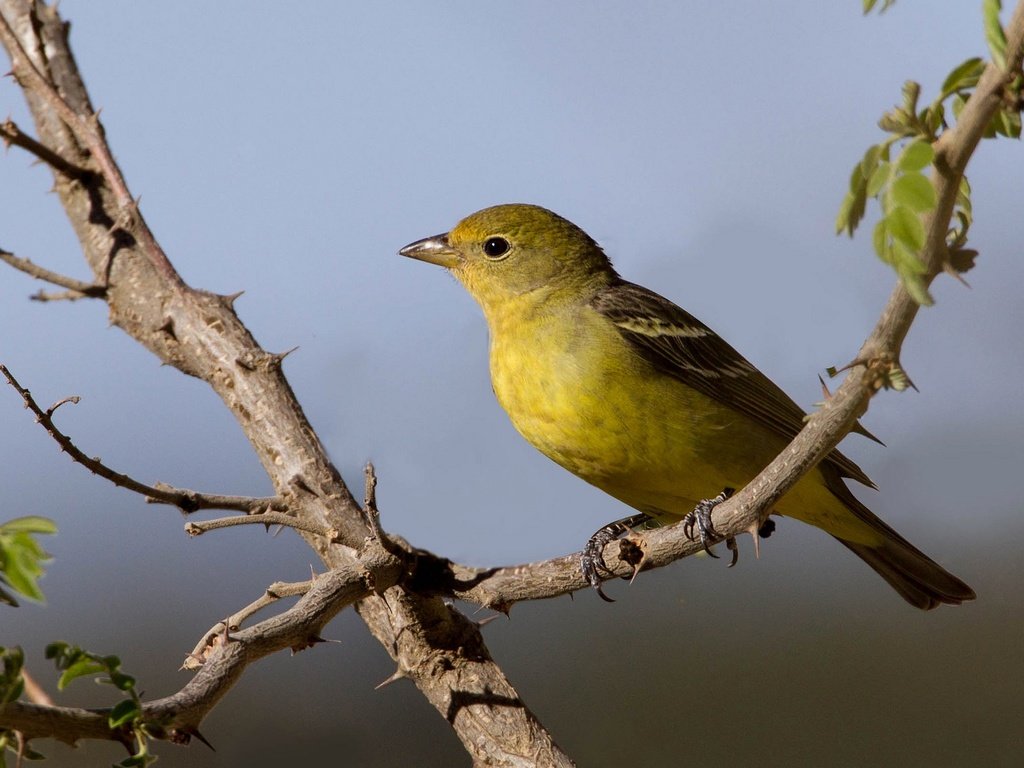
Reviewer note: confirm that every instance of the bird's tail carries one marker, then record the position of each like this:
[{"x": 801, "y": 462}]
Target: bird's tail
[{"x": 916, "y": 577}]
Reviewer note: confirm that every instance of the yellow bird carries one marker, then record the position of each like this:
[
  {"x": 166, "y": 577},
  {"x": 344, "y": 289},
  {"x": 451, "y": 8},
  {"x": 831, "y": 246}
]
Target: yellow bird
[{"x": 636, "y": 396}]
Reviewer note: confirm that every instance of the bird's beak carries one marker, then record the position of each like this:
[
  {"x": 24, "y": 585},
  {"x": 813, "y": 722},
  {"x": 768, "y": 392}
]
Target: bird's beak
[{"x": 434, "y": 250}]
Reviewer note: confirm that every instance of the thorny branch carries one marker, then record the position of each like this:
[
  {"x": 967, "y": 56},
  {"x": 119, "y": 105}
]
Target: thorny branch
[
  {"x": 12, "y": 135},
  {"x": 199, "y": 333},
  {"x": 222, "y": 660},
  {"x": 219, "y": 631},
  {"x": 186, "y": 501},
  {"x": 401, "y": 609}
]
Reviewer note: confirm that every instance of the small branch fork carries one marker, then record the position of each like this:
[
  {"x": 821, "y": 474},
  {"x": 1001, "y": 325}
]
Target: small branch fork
[
  {"x": 12, "y": 135},
  {"x": 434, "y": 645},
  {"x": 187, "y": 501},
  {"x": 221, "y": 658},
  {"x": 89, "y": 132},
  {"x": 76, "y": 289}
]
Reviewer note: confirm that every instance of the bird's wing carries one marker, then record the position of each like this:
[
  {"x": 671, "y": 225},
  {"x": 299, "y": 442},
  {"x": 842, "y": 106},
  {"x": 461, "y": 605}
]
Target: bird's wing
[{"x": 680, "y": 345}]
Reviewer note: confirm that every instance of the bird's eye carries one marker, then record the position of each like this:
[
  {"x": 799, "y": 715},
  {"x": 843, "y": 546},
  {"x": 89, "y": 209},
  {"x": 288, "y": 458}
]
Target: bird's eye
[{"x": 496, "y": 247}]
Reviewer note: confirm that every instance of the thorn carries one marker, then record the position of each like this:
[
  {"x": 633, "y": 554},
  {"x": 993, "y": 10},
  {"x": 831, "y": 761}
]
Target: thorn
[
  {"x": 950, "y": 270},
  {"x": 852, "y": 364},
  {"x": 824, "y": 389},
  {"x": 276, "y": 358},
  {"x": 310, "y": 642},
  {"x": 185, "y": 734},
  {"x": 398, "y": 675},
  {"x": 229, "y": 299},
  {"x": 505, "y": 607},
  {"x": 753, "y": 531}
]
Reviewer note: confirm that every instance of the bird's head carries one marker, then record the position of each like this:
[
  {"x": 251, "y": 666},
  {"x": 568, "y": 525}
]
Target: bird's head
[{"x": 508, "y": 251}]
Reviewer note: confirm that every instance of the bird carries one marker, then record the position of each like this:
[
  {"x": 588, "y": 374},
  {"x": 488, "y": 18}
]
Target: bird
[{"x": 636, "y": 396}]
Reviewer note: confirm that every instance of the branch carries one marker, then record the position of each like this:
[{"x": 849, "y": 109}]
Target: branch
[
  {"x": 224, "y": 661},
  {"x": 197, "y": 528},
  {"x": 186, "y": 501},
  {"x": 218, "y": 633},
  {"x": 880, "y": 352},
  {"x": 79, "y": 288},
  {"x": 10, "y": 133},
  {"x": 200, "y": 334},
  {"x": 84, "y": 124}
]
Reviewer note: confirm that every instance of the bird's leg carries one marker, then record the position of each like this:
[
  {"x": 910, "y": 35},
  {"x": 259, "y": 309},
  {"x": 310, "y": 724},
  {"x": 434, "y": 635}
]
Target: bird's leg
[
  {"x": 592, "y": 559},
  {"x": 700, "y": 519}
]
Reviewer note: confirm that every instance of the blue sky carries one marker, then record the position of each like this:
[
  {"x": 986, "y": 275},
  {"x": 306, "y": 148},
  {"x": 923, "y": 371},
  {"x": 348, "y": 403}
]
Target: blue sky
[{"x": 291, "y": 150}]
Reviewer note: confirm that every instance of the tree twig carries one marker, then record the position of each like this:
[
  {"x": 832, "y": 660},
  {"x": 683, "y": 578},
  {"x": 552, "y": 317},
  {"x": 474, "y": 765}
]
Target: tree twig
[
  {"x": 185, "y": 500},
  {"x": 79, "y": 287},
  {"x": 180, "y": 714},
  {"x": 199, "y": 527},
  {"x": 11, "y": 134},
  {"x": 219, "y": 633}
]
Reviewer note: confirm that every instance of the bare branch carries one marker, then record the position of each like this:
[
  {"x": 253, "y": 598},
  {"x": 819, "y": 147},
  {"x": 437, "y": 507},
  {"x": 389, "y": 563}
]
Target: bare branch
[
  {"x": 80, "y": 288},
  {"x": 437, "y": 648},
  {"x": 11, "y": 134},
  {"x": 86, "y": 127},
  {"x": 273, "y": 593},
  {"x": 186, "y": 501},
  {"x": 180, "y": 714},
  {"x": 197, "y": 528},
  {"x": 191, "y": 501}
]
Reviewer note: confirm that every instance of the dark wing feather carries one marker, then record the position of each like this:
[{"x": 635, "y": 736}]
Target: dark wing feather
[{"x": 678, "y": 344}]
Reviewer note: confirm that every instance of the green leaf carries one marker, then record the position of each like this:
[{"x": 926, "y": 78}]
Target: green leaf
[
  {"x": 880, "y": 240},
  {"x": 29, "y": 524},
  {"x": 56, "y": 650},
  {"x": 994, "y": 35},
  {"x": 20, "y": 557},
  {"x": 879, "y": 179},
  {"x": 84, "y": 667},
  {"x": 905, "y": 227},
  {"x": 851, "y": 210},
  {"x": 843, "y": 217},
  {"x": 916, "y": 156},
  {"x": 120, "y": 680},
  {"x": 958, "y": 105},
  {"x": 870, "y": 160},
  {"x": 124, "y": 712},
  {"x": 1006, "y": 122},
  {"x": 934, "y": 118},
  {"x": 964, "y": 76},
  {"x": 916, "y": 288},
  {"x": 914, "y": 191}
]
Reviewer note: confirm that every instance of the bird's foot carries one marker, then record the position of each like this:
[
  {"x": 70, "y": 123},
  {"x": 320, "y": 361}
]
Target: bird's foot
[
  {"x": 700, "y": 520},
  {"x": 592, "y": 559}
]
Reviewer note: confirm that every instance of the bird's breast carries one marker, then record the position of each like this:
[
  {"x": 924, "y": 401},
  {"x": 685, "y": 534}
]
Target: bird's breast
[{"x": 570, "y": 388}]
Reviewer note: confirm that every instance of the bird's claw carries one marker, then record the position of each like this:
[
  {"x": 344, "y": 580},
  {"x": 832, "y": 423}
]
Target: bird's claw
[
  {"x": 592, "y": 561},
  {"x": 733, "y": 547},
  {"x": 700, "y": 519}
]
